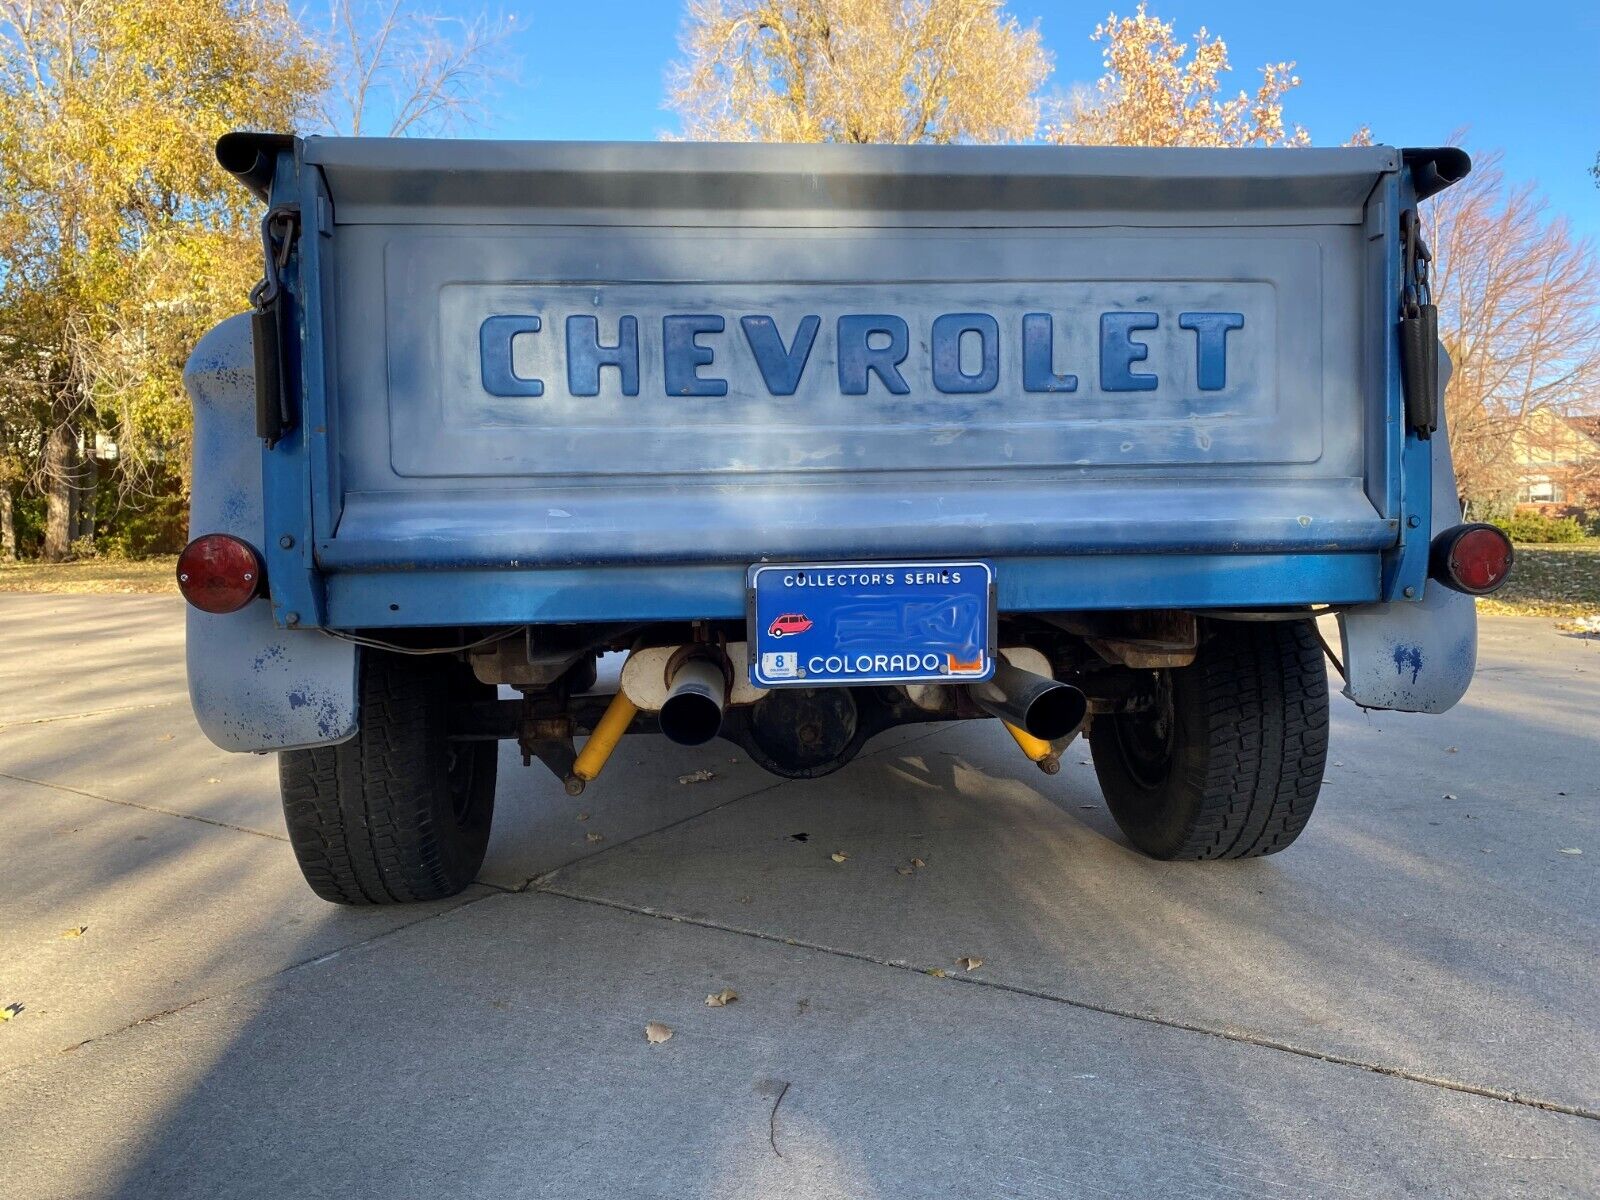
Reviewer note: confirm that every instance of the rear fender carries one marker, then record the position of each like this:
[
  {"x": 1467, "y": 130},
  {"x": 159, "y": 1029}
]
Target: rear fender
[
  {"x": 253, "y": 685},
  {"x": 1416, "y": 655}
]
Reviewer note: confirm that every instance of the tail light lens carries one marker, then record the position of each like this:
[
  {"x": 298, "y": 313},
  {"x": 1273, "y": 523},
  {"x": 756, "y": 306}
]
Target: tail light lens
[
  {"x": 1475, "y": 559},
  {"x": 219, "y": 573}
]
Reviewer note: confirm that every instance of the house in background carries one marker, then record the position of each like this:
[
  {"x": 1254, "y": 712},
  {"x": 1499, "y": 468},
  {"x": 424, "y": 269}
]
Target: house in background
[{"x": 1557, "y": 459}]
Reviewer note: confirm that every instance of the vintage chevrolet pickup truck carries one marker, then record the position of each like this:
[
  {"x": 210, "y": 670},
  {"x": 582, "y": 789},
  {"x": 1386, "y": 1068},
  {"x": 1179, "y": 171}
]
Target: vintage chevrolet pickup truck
[{"x": 824, "y": 439}]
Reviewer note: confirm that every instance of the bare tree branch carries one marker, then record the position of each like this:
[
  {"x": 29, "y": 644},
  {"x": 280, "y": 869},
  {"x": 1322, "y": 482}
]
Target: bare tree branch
[
  {"x": 401, "y": 72},
  {"x": 1519, "y": 302}
]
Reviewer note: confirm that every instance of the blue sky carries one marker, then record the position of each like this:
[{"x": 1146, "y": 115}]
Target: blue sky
[{"x": 1524, "y": 79}]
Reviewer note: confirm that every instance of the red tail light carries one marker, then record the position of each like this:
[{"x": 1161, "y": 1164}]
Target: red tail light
[
  {"x": 1475, "y": 559},
  {"x": 219, "y": 573}
]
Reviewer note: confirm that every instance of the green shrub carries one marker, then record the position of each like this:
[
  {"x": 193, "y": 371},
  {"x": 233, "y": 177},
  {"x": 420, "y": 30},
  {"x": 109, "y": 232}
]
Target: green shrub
[{"x": 1536, "y": 527}]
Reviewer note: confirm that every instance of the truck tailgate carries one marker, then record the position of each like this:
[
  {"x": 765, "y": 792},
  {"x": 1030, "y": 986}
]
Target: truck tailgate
[{"x": 543, "y": 355}]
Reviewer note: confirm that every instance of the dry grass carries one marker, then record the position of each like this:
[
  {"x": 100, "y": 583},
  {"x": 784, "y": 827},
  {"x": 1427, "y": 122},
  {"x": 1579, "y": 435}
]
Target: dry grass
[{"x": 94, "y": 576}]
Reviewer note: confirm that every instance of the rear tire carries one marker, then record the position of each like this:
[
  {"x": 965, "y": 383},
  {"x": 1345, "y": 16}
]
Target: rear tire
[
  {"x": 399, "y": 813},
  {"x": 1229, "y": 762}
]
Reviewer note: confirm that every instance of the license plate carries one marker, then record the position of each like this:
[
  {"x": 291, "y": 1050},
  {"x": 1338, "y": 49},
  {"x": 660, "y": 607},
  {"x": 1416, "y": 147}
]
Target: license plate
[{"x": 818, "y": 624}]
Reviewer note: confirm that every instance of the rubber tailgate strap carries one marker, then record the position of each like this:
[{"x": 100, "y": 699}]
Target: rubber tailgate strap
[
  {"x": 1419, "y": 331},
  {"x": 268, "y": 319}
]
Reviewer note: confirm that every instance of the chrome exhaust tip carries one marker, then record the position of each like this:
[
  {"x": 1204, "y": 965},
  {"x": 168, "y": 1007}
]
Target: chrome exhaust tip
[
  {"x": 691, "y": 715},
  {"x": 1038, "y": 706}
]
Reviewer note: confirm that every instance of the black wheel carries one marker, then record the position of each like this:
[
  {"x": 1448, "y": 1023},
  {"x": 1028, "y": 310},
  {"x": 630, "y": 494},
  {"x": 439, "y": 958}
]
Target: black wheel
[
  {"x": 1228, "y": 761},
  {"x": 398, "y": 813}
]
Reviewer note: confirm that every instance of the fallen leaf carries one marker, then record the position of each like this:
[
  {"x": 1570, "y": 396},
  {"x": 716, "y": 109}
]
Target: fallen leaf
[
  {"x": 721, "y": 999},
  {"x": 1450, "y": 750},
  {"x": 968, "y": 963},
  {"x": 583, "y": 816},
  {"x": 10, "y": 1011},
  {"x": 76, "y": 931},
  {"x": 1569, "y": 850},
  {"x": 937, "y": 973},
  {"x": 213, "y": 779},
  {"x": 594, "y": 837},
  {"x": 838, "y": 856},
  {"x": 918, "y": 863},
  {"x": 903, "y": 870},
  {"x": 655, "y": 1032},
  {"x": 700, "y": 776},
  {"x": 166, "y": 737}
]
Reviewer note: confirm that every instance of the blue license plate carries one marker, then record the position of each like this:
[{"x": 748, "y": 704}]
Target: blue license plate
[{"x": 815, "y": 624}]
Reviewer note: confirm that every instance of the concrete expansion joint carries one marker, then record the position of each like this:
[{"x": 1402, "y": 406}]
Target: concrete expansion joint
[
  {"x": 245, "y": 985},
  {"x": 1242, "y": 1037},
  {"x": 150, "y": 808}
]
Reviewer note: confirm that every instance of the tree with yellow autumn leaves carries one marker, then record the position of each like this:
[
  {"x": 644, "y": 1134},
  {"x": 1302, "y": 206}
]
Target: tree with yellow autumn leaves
[
  {"x": 122, "y": 241},
  {"x": 120, "y": 238},
  {"x": 936, "y": 71}
]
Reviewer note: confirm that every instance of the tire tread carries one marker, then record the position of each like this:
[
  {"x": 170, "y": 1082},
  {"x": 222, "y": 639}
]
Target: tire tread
[
  {"x": 361, "y": 815},
  {"x": 1252, "y": 781}
]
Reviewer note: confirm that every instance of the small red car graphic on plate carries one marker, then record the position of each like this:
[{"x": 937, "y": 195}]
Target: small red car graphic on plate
[{"x": 789, "y": 623}]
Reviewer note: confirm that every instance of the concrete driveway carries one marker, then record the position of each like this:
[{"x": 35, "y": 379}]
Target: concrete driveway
[{"x": 1403, "y": 1004}]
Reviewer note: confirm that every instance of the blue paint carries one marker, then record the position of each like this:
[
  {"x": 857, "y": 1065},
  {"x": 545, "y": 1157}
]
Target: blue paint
[
  {"x": 1408, "y": 656},
  {"x": 1038, "y": 357},
  {"x": 682, "y": 355},
  {"x": 304, "y": 490},
  {"x": 236, "y": 509},
  {"x": 268, "y": 656},
  {"x": 297, "y": 474},
  {"x": 1211, "y": 345},
  {"x": 857, "y": 357},
  {"x": 780, "y": 366},
  {"x": 495, "y": 337},
  {"x": 585, "y": 355},
  {"x": 1407, "y": 565},
  {"x": 700, "y": 590},
  {"x": 1118, "y": 351},
  {"x": 947, "y": 334}
]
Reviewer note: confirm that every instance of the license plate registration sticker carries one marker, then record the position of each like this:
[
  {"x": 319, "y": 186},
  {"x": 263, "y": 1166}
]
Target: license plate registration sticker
[{"x": 817, "y": 624}]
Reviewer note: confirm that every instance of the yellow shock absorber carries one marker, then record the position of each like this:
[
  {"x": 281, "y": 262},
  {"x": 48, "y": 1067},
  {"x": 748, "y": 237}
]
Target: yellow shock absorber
[
  {"x": 591, "y": 760},
  {"x": 1039, "y": 750}
]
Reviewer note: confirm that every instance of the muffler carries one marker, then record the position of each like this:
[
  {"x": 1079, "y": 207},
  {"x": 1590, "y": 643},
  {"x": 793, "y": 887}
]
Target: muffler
[
  {"x": 1038, "y": 706},
  {"x": 697, "y": 688}
]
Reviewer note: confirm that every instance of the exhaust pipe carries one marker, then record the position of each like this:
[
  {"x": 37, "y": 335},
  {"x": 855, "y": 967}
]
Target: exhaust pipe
[
  {"x": 1040, "y": 707},
  {"x": 697, "y": 687}
]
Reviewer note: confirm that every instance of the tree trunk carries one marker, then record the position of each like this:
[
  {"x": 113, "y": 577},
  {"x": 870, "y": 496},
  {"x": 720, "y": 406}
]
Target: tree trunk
[
  {"x": 61, "y": 486},
  {"x": 8, "y": 524},
  {"x": 89, "y": 482}
]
